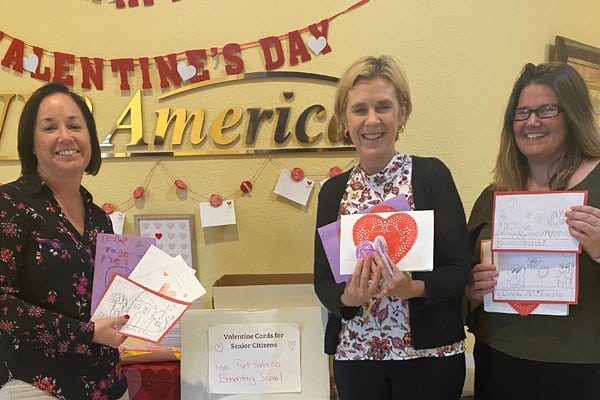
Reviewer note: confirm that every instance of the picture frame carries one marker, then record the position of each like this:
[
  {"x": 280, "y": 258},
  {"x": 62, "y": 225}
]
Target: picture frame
[
  {"x": 586, "y": 60},
  {"x": 174, "y": 233}
]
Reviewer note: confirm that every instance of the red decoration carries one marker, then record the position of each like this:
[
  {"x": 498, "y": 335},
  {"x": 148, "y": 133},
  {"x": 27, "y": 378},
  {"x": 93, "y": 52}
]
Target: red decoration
[
  {"x": 180, "y": 184},
  {"x": 333, "y": 171},
  {"x": 246, "y": 186},
  {"x": 138, "y": 192},
  {"x": 398, "y": 230},
  {"x": 215, "y": 200},
  {"x": 108, "y": 208},
  {"x": 297, "y": 174}
]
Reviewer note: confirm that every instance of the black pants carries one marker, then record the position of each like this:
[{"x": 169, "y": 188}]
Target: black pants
[
  {"x": 427, "y": 378},
  {"x": 500, "y": 376}
]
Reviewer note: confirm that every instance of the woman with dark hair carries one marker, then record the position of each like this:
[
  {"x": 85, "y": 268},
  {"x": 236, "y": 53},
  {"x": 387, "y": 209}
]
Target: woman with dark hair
[
  {"x": 393, "y": 335},
  {"x": 549, "y": 141},
  {"x": 48, "y": 225}
]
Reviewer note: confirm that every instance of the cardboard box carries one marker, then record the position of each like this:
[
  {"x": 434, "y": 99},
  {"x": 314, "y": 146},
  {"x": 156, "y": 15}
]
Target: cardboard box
[
  {"x": 261, "y": 291},
  {"x": 195, "y": 351}
]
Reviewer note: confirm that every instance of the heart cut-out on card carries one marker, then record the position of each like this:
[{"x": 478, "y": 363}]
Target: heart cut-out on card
[
  {"x": 186, "y": 71},
  {"x": 158, "y": 235},
  {"x": 399, "y": 231},
  {"x": 31, "y": 63},
  {"x": 316, "y": 45},
  {"x": 524, "y": 308}
]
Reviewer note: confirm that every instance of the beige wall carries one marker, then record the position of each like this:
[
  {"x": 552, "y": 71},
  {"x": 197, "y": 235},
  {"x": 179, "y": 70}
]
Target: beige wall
[{"x": 461, "y": 58}]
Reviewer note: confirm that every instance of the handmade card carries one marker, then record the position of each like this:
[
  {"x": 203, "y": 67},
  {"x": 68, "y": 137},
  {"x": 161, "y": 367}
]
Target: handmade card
[
  {"x": 542, "y": 277},
  {"x": 330, "y": 234},
  {"x": 534, "y": 221},
  {"x": 224, "y": 214},
  {"x": 151, "y": 314},
  {"x": 116, "y": 254},
  {"x": 489, "y": 305},
  {"x": 403, "y": 239},
  {"x": 296, "y": 190}
]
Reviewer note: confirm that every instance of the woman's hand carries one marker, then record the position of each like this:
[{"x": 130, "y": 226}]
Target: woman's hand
[
  {"x": 363, "y": 285},
  {"x": 398, "y": 283},
  {"x": 481, "y": 282},
  {"x": 106, "y": 331},
  {"x": 584, "y": 225}
]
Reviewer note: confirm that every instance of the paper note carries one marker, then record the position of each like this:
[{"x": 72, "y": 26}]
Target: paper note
[
  {"x": 297, "y": 191},
  {"x": 217, "y": 216}
]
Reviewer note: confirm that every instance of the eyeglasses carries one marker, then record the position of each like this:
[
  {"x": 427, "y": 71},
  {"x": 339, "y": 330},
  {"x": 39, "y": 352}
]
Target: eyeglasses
[{"x": 545, "y": 111}]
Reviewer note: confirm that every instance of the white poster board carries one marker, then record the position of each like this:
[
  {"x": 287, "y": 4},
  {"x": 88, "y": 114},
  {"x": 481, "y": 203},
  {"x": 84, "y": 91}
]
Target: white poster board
[{"x": 195, "y": 351}]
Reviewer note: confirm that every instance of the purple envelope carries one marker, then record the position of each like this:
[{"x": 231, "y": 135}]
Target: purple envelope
[
  {"x": 116, "y": 254},
  {"x": 330, "y": 236}
]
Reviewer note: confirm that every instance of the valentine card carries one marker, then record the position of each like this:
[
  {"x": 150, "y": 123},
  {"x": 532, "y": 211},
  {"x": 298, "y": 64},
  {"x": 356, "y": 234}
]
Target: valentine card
[
  {"x": 223, "y": 214},
  {"x": 330, "y": 234},
  {"x": 403, "y": 239},
  {"x": 297, "y": 191}
]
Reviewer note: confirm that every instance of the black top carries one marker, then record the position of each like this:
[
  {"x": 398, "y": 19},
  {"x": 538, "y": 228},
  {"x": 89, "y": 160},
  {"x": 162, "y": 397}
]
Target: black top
[
  {"x": 46, "y": 272},
  {"x": 436, "y": 318}
]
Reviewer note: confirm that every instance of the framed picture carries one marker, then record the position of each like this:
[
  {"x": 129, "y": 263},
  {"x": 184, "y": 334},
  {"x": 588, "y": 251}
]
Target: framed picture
[
  {"x": 174, "y": 234},
  {"x": 586, "y": 60}
]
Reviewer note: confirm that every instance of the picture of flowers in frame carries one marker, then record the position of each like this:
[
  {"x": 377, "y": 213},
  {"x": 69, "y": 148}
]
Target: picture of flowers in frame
[{"x": 174, "y": 234}]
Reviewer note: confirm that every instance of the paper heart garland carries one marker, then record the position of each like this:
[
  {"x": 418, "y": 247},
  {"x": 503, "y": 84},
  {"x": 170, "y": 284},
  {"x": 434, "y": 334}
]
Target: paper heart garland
[
  {"x": 316, "y": 45},
  {"x": 399, "y": 231},
  {"x": 31, "y": 63},
  {"x": 186, "y": 71}
]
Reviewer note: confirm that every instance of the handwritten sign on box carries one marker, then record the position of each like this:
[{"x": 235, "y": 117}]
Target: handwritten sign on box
[{"x": 254, "y": 358}]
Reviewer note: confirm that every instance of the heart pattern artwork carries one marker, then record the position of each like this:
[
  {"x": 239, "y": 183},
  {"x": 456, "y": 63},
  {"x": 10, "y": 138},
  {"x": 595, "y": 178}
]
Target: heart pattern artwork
[
  {"x": 399, "y": 231},
  {"x": 172, "y": 237}
]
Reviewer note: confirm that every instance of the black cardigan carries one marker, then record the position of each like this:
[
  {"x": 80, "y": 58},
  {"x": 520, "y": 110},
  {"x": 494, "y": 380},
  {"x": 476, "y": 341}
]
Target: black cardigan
[{"x": 436, "y": 318}]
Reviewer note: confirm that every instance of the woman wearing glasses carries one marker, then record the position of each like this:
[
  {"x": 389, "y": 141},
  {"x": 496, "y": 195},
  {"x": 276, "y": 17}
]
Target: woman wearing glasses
[{"x": 549, "y": 141}]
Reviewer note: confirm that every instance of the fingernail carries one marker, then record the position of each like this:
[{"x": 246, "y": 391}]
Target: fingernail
[{"x": 127, "y": 317}]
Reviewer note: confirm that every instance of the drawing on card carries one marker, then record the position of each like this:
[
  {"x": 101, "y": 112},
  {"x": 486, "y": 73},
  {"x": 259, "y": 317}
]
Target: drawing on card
[
  {"x": 535, "y": 221},
  {"x": 549, "y": 277},
  {"x": 151, "y": 315}
]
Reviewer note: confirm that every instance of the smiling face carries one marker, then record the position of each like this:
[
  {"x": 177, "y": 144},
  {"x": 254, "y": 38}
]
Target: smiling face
[
  {"x": 61, "y": 138},
  {"x": 541, "y": 140},
  {"x": 373, "y": 116}
]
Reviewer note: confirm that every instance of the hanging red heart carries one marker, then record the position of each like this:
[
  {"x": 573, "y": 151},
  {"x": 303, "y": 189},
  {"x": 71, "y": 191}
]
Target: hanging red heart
[
  {"x": 246, "y": 186},
  {"x": 333, "y": 171},
  {"x": 108, "y": 208},
  {"x": 399, "y": 231},
  {"x": 180, "y": 184},
  {"x": 138, "y": 192},
  {"x": 215, "y": 200},
  {"x": 297, "y": 173}
]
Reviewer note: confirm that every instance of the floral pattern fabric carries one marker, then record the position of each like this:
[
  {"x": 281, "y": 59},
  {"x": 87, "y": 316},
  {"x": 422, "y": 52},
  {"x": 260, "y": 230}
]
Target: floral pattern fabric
[
  {"x": 46, "y": 270},
  {"x": 382, "y": 330}
]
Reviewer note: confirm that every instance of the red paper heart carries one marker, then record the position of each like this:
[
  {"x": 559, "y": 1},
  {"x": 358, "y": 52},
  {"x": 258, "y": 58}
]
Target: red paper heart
[
  {"x": 399, "y": 231},
  {"x": 524, "y": 308},
  {"x": 158, "y": 235}
]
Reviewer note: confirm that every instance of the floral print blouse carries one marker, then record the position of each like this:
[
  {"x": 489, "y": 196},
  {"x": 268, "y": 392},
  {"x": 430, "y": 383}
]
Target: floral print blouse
[
  {"x": 382, "y": 330},
  {"x": 46, "y": 270}
]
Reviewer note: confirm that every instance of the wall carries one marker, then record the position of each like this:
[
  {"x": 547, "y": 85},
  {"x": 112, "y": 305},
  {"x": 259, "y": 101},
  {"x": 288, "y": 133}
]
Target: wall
[{"x": 461, "y": 58}]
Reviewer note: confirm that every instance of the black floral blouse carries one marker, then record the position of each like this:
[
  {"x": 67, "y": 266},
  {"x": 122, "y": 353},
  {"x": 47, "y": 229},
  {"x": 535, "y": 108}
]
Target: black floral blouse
[{"x": 46, "y": 270}]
